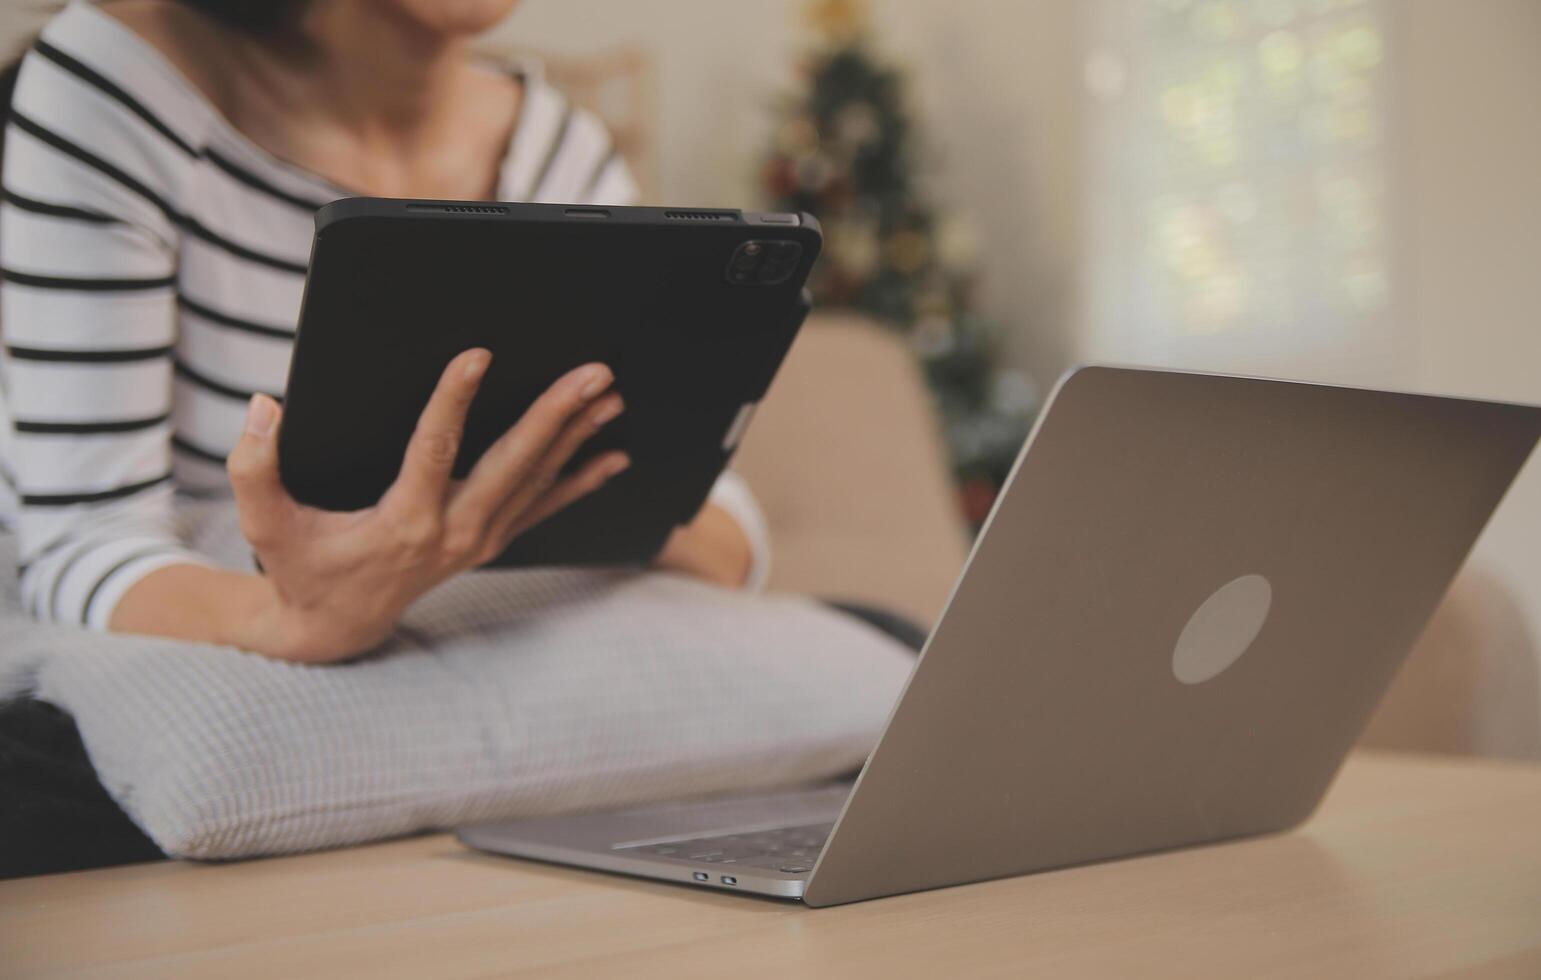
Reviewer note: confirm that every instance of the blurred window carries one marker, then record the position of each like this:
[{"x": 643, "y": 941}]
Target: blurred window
[{"x": 1237, "y": 188}]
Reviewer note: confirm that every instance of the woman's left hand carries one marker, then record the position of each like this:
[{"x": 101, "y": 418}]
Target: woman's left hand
[{"x": 712, "y": 547}]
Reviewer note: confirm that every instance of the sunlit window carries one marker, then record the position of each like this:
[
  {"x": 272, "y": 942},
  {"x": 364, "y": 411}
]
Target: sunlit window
[{"x": 1237, "y": 190}]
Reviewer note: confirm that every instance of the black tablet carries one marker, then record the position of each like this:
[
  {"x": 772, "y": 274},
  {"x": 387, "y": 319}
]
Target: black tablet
[{"x": 693, "y": 310}]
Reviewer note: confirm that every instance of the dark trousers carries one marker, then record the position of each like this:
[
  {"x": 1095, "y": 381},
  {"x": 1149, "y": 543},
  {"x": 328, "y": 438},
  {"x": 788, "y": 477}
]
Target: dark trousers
[
  {"x": 56, "y": 816},
  {"x": 54, "y": 813}
]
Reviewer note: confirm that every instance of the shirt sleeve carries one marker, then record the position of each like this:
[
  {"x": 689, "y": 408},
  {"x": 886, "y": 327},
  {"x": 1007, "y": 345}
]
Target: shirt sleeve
[
  {"x": 88, "y": 246},
  {"x": 731, "y": 492}
]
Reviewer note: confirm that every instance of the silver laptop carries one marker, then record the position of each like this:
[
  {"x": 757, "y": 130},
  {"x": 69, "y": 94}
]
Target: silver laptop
[{"x": 1189, "y": 597}]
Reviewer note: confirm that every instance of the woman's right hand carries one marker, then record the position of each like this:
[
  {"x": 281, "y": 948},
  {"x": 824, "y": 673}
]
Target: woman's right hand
[{"x": 338, "y": 582}]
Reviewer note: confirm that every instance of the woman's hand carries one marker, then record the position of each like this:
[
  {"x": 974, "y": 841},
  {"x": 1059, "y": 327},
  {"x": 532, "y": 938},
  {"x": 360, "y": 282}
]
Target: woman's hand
[{"x": 339, "y": 582}]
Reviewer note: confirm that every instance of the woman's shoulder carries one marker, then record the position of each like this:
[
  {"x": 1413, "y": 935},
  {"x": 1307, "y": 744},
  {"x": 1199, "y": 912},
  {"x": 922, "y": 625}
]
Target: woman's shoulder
[
  {"x": 95, "y": 99},
  {"x": 135, "y": 53},
  {"x": 192, "y": 44}
]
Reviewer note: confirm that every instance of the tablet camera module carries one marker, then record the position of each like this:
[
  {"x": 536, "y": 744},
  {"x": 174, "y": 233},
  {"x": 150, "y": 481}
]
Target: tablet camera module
[{"x": 764, "y": 262}]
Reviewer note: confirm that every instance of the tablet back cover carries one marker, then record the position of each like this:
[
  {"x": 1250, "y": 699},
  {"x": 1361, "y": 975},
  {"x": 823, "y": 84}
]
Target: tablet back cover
[{"x": 397, "y": 289}]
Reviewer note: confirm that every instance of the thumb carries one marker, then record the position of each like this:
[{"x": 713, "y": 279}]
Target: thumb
[{"x": 260, "y": 496}]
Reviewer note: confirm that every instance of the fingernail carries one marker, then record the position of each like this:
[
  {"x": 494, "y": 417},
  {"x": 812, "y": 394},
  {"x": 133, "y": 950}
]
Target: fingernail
[
  {"x": 260, "y": 416},
  {"x": 617, "y": 464},
  {"x": 595, "y": 381},
  {"x": 476, "y": 364},
  {"x": 606, "y": 412}
]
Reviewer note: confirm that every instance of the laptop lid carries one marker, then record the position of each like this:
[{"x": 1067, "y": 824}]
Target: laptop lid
[{"x": 1188, "y": 599}]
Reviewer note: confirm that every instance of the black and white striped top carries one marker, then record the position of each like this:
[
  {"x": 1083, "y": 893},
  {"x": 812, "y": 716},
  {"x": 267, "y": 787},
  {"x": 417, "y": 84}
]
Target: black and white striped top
[{"x": 153, "y": 260}]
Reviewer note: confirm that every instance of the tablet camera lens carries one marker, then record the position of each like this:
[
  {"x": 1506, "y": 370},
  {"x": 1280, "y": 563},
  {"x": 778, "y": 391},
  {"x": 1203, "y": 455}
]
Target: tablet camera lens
[{"x": 764, "y": 263}]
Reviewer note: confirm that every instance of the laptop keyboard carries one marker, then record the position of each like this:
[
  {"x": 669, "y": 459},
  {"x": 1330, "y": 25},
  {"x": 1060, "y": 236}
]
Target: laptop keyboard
[{"x": 789, "y": 849}]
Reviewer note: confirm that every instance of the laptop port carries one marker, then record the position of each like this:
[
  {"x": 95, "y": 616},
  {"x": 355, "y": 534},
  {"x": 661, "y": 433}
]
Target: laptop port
[
  {"x": 729, "y": 880},
  {"x": 700, "y": 876}
]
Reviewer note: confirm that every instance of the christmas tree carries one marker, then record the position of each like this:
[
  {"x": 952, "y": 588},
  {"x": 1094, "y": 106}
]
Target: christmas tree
[{"x": 845, "y": 151}]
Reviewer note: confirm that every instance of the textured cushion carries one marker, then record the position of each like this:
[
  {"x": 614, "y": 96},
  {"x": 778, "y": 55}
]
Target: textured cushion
[{"x": 503, "y": 694}]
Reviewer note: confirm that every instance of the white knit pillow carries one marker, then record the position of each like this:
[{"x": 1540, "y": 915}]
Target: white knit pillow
[{"x": 504, "y": 694}]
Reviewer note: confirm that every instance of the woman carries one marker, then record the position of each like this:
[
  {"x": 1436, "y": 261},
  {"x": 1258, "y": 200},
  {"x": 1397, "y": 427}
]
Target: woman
[
  {"x": 163, "y": 164},
  {"x": 161, "y": 170}
]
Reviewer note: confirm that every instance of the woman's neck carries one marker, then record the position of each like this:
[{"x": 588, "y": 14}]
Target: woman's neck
[
  {"x": 355, "y": 91},
  {"x": 367, "y": 68},
  {"x": 374, "y": 102}
]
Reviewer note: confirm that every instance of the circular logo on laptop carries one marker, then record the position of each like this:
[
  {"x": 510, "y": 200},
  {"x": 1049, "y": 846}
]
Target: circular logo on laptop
[{"x": 1222, "y": 629}]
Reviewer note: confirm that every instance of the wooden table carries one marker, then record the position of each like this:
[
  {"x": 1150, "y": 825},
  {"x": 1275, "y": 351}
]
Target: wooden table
[{"x": 1415, "y": 866}]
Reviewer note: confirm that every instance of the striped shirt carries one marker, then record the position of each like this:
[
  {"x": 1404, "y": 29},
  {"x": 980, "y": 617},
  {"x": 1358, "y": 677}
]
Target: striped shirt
[{"x": 153, "y": 260}]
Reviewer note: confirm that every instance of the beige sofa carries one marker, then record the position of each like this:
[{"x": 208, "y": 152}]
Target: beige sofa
[
  {"x": 847, "y": 461},
  {"x": 850, "y": 469}
]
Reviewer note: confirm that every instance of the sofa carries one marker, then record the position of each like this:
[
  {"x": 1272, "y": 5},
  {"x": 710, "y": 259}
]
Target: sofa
[{"x": 848, "y": 464}]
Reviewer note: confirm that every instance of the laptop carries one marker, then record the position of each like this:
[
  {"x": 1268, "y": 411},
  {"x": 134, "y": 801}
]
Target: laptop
[{"x": 1188, "y": 598}]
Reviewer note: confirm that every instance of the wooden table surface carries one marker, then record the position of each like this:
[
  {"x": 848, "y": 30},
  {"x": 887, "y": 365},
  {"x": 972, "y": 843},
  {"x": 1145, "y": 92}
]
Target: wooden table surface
[{"x": 1415, "y": 866}]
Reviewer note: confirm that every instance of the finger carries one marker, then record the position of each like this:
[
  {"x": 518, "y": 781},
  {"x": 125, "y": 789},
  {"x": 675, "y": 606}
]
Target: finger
[
  {"x": 543, "y": 474},
  {"x": 263, "y": 503},
  {"x": 513, "y": 459},
  {"x": 425, "y": 470},
  {"x": 594, "y": 474}
]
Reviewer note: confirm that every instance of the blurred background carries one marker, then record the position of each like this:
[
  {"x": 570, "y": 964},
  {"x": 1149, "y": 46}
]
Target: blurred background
[{"x": 1333, "y": 190}]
